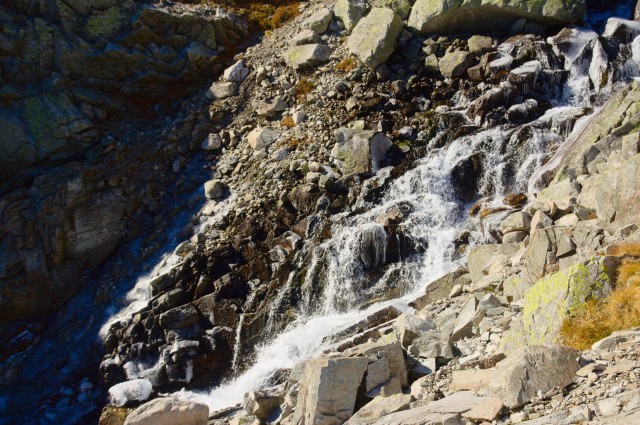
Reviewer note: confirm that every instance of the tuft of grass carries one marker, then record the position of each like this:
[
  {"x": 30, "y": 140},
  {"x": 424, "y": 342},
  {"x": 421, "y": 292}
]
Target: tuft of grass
[
  {"x": 296, "y": 143},
  {"x": 287, "y": 122},
  {"x": 597, "y": 319},
  {"x": 628, "y": 270},
  {"x": 626, "y": 249},
  {"x": 347, "y": 64},
  {"x": 304, "y": 87}
]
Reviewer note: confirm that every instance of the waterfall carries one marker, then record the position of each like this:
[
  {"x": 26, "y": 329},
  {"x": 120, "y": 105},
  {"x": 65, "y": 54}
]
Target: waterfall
[
  {"x": 434, "y": 218},
  {"x": 427, "y": 206}
]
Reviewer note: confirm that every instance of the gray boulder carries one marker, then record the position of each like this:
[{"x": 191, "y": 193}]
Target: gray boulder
[
  {"x": 307, "y": 55},
  {"x": 530, "y": 370},
  {"x": 517, "y": 222},
  {"x": 305, "y": 37},
  {"x": 409, "y": 327},
  {"x": 319, "y": 21},
  {"x": 471, "y": 16},
  {"x": 374, "y": 38},
  {"x": 432, "y": 345},
  {"x": 222, "y": 90},
  {"x": 350, "y": 12},
  {"x": 169, "y": 411},
  {"x": 479, "y": 44},
  {"x": 359, "y": 151},
  {"x": 213, "y": 189},
  {"x": 212, "y": 142},
  {"x": 236, "y": 72}
]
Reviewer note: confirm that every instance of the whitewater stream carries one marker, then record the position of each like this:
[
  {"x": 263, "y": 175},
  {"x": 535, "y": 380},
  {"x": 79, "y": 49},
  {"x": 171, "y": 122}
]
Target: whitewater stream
[{"x": 434, "y": 221}]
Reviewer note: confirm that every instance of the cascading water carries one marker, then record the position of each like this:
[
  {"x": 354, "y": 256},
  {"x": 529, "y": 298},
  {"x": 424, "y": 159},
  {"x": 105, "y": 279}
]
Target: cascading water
[
  {"x": 434, "y": 219},
  {"x": 338, "y": 288}
]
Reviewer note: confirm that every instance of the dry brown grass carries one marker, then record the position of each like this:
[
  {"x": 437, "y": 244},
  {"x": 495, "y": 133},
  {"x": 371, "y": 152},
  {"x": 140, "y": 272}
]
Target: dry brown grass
[
  {"x": 295, "y": 142},
  {"x": 288, "y": 122},
  {"x": 627, "y": 271},
  {"x": 304, "y": 87},
  {"x": 263, "y": 15},
  {"x": 598, "y": 319},
  {"x": 347, "y": 64},
  {"x": 619, "y": 311},
  {"x": 626, "y": 249}
]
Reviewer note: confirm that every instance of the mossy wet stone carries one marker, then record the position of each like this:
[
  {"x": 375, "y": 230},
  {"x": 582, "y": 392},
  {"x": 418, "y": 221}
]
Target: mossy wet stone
[
  {"x": 469, "y": 16},
  {"x": 551, "y": 299},
  {"x": 374, "y": 39}
]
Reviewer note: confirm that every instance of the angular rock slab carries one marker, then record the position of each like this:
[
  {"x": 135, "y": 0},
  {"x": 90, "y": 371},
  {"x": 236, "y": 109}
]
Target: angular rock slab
[
  {"x": 374, "y": 38},
  {"x": 329, "y": 389},
  {"x": 387, "y": 347},
  {"x": 169, "y": 411},
  {"x": 472, "y": 16},
  {"x": 379, "y": 407},
  {"x": 529, "y": 370},
  {"x": 442, "y": 412},
  {"x": 553, "y": 297}
]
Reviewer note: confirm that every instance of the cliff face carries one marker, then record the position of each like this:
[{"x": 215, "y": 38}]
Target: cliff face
[
  {"x": 85, "y": 144},
  {"x": 183, "y": 234},
  {"x": 71, "y": 72}
]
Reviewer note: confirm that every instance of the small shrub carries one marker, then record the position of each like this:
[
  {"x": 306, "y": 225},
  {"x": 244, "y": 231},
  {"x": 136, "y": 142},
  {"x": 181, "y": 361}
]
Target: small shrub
[
  {"x": 304, "y": 87},
  {"x": 347, "y": 64}
]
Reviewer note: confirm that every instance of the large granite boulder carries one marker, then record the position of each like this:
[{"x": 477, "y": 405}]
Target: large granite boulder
[
  {"x": 374, "y": 38},
  {"x": 617, "y": 198},
  {"x": 557, "y": 295},
  {"x": 329, "y": 389},
  {"x": 469, "y": 16},
  {"x": 531, "y": 370}
]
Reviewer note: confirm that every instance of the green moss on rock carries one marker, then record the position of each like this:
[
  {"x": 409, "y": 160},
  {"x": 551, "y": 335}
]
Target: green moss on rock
[{"x": 551, "y": 299}]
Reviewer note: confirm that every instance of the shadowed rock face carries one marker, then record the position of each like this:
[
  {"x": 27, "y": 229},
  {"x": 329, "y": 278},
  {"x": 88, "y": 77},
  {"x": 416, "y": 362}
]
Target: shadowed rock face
[
  {"x": 65, "y": 63},
  {"x": 63, "y": 66}
]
